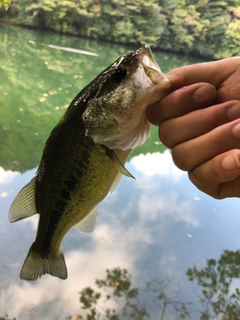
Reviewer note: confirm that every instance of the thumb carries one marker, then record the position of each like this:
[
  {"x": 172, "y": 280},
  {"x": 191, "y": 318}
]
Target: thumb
[{"x": 214, "y": 72}]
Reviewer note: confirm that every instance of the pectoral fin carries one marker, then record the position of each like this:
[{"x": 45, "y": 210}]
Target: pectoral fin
[
  {"x": 23, "y": 205},
  {"x": 119, "y": 165},
  {"x": 88, "y": 224}
]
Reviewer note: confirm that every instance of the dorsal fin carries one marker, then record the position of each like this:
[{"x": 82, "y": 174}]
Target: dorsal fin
[
  {"x": 23, "y": 205},
  {"x": 88, "y": 224}
]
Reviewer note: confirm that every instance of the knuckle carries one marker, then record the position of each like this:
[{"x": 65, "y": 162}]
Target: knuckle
[
  {"x": 208, "y": 119},
  {"x": 165, "y": 134},
  {"x": 207, "y": 181},
  {"x": 179, "y": 158}
]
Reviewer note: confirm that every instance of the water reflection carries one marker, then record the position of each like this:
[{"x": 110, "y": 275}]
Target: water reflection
[
  {"x": 116, "y": 298},
  {"x": 157, "y": 227},
  {"x": 219, "y": 282},
  {"x": 37, "y": 83}
]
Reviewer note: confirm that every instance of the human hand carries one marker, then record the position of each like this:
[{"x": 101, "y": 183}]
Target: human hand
[{"x": 200, "y": 122}]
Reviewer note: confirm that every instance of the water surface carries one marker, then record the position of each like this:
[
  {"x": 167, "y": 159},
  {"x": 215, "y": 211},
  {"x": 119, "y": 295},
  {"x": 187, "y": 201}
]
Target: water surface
[{"x": 159, "y": 227}]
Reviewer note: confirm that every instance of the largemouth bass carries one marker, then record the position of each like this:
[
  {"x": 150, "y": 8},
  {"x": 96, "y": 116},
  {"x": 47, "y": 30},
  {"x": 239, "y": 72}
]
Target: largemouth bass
[{"x": 85, "y": 154}]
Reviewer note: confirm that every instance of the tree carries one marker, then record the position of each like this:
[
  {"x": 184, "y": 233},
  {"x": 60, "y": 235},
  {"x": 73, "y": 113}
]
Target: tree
[
  {"x": 203, "y": 27},
  {"x": 5, "y": 3}
]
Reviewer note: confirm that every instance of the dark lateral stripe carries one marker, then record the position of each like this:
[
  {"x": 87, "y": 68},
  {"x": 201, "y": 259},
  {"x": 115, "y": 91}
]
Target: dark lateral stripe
[
  {"x": 71, "y": 182},
  {"x": 65, "y": 194},
  {"x": 61, "y": 203}
]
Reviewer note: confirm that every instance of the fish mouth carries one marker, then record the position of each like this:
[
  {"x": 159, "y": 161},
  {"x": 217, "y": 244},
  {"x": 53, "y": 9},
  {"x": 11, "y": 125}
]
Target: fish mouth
[
  {"x": 149, "y": 64},
  {"x": 146, "y": 58}
]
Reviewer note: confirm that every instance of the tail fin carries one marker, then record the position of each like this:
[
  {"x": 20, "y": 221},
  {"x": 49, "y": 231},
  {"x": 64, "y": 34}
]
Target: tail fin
[{"x": 35, "y": 266}]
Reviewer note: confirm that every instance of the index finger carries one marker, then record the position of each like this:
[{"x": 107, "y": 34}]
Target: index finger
[{"x": 215, "y": 72}]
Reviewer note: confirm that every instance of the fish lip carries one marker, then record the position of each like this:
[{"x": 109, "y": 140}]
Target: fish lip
[
  {"x": 146, "y": 58},
  {"x": 150, "y": 67}
]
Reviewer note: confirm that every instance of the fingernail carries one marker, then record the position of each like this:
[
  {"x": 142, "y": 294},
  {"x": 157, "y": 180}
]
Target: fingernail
[
  {"x": 204, "y": 94},
  {"x": 234, "y": 112},
  {"x": 231, "y": 162},
  {"x": 236, "y": 131}
]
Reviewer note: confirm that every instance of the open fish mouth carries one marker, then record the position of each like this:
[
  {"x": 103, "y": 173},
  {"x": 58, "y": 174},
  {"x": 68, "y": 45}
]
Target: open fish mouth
[
  {"x": 148, "y": 63},
  {"x": 146, "y": 58}
]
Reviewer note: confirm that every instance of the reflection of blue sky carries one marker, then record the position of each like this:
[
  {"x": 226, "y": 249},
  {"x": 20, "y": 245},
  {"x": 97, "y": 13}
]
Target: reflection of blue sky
[{"x": 156, "y": 226}]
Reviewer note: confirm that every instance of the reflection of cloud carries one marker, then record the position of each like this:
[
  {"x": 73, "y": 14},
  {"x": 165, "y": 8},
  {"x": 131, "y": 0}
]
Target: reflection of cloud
[
  {"x": 156, "y": 163},
  {"x": 141, "y": 223},
  {"x": 157, "y": 198},
  {"x": 124, "y": 246},
  {"x": 7, "y": 176},
  {"x": 156, "y": 205},
  {"x": 234, "y": 285},
  {"x": 33, "y": 221},
  {"x": 84, "y": 266}
]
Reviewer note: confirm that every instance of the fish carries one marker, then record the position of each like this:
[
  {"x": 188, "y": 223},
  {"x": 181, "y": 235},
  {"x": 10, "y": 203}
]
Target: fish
[{"x": 85, "y": 154}]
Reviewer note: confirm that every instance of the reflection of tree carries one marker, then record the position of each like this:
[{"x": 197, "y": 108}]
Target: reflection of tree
[
  {"x": 37, "y": 83},
  {"x": 6, "y": 318},
  {"x": 220, "y": 294},
  {"x": 119, "y": 300},
  {"x": 116, "y": 299},
  {"x": 117, "y": 290},
  {"x": 159, "y": 288}
]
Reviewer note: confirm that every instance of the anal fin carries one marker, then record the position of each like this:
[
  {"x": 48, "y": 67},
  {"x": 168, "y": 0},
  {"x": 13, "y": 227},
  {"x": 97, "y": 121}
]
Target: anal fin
[{"x": 88, "y": 224}]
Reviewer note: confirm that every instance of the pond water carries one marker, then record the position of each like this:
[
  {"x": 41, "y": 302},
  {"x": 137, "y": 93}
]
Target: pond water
[{"x": 158, "y": 234}]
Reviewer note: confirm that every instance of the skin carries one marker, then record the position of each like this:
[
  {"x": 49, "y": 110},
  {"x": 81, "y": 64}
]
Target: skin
[{"x": 200, "y": 122}]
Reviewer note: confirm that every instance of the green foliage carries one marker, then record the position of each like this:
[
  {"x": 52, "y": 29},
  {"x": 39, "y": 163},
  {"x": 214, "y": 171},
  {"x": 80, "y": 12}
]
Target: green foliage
[
  {"x": 204, "y": 27},
  {"x": 5, "y": 3},
  {"x": 220, "y": 294}
]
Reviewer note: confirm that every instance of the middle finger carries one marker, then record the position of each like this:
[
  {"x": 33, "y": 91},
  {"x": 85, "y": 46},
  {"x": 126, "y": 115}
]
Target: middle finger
[
  {"x": 197, "y": 123},
  {"x": 189, "y": 154}
]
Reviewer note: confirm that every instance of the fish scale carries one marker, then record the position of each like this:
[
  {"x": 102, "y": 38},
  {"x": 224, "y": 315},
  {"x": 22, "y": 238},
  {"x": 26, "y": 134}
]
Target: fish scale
[{"x": 84, "y": 156}]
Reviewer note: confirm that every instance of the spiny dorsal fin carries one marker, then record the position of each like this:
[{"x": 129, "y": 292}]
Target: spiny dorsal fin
[
  {"x": 112, "y": 155},
  {"x": 23, "y": 205},
  {"x": 88, "y": 224}
]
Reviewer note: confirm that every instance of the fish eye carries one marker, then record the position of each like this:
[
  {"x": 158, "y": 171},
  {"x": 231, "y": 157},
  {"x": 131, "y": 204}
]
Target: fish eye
[{"x": 119, "y": 73}]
